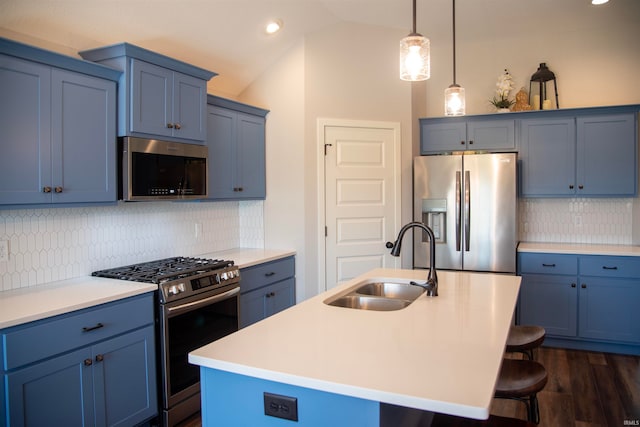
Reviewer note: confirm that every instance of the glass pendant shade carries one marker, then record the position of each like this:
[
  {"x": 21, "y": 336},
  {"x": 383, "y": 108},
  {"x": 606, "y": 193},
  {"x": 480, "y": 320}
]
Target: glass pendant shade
[
  {"x": 415, "y": 58},
  {"x": 454, "y": 103}
]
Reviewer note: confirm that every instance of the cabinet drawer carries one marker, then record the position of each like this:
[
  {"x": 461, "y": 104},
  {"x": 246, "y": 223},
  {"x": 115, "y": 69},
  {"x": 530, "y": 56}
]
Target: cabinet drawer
[
  {"x": 264, "y": 274},
  {"x": 45, "y": 338},
  {"x": 610, "y": 266},
  {"x": 548, "y": 263}
]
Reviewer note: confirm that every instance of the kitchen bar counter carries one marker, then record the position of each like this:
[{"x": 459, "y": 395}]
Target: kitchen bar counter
[
  {"x": 24, "y": 305},
  {"x": 578, "y": 248},
  {"x": 439, "y": 354}
]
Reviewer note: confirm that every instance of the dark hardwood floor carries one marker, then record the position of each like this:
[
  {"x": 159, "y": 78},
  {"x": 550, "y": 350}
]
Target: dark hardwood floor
[{"x": 584, "y": 389}]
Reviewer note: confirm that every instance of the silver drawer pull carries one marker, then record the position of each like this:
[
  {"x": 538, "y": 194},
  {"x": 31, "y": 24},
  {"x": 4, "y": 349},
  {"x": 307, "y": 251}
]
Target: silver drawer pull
[
  {"x": 269, "y": 274},
  {"x": 548, "y": 265},
  {"x": 604, "y": 267},
  {"x": 92, "y": 328}
]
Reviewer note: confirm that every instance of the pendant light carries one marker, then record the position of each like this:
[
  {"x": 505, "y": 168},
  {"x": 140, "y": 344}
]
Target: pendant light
[
  {"x": 415, "y": 62},
  {"x": 454, "y": 103}
]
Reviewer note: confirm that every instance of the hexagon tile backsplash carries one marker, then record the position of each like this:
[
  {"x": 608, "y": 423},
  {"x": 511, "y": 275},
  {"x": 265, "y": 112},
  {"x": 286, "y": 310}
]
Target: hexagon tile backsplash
[{"x": 46, "y": 245}]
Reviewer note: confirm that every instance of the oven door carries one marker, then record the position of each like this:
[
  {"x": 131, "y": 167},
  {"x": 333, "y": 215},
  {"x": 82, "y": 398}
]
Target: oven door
[{"x": 186, "y": 325}]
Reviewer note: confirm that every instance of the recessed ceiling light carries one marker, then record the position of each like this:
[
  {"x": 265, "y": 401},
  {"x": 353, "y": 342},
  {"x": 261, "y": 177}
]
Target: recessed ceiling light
[
  {"x": 273, "y": 26},
  {"x": 596, "y": 2}
]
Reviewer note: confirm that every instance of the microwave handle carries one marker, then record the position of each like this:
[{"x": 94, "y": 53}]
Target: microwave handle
[{"x": 196, "y": 304}]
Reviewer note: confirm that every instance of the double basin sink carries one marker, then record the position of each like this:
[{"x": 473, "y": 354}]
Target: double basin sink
[{"x": 377, "y": 296}]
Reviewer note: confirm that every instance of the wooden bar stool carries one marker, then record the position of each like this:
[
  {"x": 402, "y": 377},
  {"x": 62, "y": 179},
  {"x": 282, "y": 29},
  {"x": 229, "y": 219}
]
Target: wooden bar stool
[
  {"x": 522, "y": 380},
  {"x": 524, "y": 339},
  {"x": 442, "y": 420}
]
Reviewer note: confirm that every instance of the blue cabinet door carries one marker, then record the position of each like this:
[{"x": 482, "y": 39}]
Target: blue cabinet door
[
  {"x": 279, "y": 296},
  {"x": 124, "y": 379},
  {"x": 189, "y": 112},
  {"x": 236, "y": 144},
  {"x": 438, "y": 137},
  {"x": 221, "y": 137},
  {"x": 57, "y": 392},
  {"x": 151, "y": 99},
  {"x": 25, "y": 120},
  {"x": 167, "y": 103},
  {"x": 549, "y": 301},
  {"x": 607, "y": 155},
  {"x": 251, "y": 157},
  {"x": 547, "y": 154},
  {"x": 83, "y": 138},
  {"x": 609, "y": 309},
  {"x": 491, "y": 135}
]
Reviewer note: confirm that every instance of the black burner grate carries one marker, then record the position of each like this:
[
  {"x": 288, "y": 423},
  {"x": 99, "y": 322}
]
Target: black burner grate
[{"x": 162, "y": 270}]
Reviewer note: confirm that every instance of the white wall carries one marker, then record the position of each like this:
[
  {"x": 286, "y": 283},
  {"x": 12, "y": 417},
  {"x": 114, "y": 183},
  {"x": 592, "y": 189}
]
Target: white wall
[
  {"x": 592, "y": 50},
  {"x": 281, "y": 89}
]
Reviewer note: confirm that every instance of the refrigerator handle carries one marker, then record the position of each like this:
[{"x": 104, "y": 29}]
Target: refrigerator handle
[
  {"x": 467, "y": 210},
  {"x": 458, "y": 211}
]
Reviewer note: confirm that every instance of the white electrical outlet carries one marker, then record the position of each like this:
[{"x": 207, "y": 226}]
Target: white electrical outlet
[{"x": 4, "y": 250}]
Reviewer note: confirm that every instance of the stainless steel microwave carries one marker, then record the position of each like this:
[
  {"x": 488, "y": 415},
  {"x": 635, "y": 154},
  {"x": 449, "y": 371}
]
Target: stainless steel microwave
[{"x": 152, "y": 169}]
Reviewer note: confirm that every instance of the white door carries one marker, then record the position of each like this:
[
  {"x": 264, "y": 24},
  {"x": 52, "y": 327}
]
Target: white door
[{"x": 362, "y": 197}]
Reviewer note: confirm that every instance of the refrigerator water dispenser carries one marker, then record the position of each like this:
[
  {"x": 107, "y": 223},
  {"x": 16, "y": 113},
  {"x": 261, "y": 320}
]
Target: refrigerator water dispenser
[{"x": 434, "y": 215}]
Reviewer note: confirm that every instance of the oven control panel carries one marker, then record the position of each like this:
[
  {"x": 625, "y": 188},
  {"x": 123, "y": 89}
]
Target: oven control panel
[{"x": 187, "y": 286}]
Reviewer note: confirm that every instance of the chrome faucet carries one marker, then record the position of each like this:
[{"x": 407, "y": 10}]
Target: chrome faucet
[{"x": 432, "y": 278}]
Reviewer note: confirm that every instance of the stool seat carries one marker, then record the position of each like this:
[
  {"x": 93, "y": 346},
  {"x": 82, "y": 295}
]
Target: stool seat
[
  {"x": 524, "y": 338},
  {"x": 442, "y": 420},
  {"x": 522, "y": 380}
]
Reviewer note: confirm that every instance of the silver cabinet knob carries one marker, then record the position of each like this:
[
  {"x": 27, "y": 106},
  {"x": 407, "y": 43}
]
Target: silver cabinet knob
[
  {"x": 58, "y": 189},
  {"x": 46, "y": 190}
]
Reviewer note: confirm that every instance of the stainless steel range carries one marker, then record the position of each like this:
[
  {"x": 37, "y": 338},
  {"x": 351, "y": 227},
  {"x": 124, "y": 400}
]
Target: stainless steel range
[{"x": 198, "y": 302}]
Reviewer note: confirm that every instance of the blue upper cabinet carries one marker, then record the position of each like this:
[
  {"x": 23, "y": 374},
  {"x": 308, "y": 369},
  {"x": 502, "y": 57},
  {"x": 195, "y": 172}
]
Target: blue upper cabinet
[
  {"x": 607, "y": 155},
  {"x": 236, "y": 141},
  {"x": 158, "y": 97},
  {"x": 586, "y": 152},
  {"x": 58, "y": 119},
  {"x": 441, "y": 135},
  {"x": 547, "y": 156}
]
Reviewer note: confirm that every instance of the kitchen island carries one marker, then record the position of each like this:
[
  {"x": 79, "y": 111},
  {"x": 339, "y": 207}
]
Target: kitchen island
[{"x": 439, "y": 354}]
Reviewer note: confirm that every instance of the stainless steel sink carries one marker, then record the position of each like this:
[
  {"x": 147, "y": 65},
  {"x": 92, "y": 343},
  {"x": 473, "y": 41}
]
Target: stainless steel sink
[
  {"x": 377, "y": 296},
  {"x": 369, "y": 303},
  {"x": 391, "y": 290}
]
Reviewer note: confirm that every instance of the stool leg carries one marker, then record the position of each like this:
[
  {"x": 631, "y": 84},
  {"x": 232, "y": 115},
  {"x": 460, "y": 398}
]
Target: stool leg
[{"x": 533, "y": 409}]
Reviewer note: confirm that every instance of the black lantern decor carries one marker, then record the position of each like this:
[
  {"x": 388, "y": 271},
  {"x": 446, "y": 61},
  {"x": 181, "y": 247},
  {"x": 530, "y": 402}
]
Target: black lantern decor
[{"x": 538, "y": 88}]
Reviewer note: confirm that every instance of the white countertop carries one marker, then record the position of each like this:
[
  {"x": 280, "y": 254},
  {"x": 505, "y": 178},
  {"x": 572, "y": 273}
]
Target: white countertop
[
  {"x": 439, "y": 354},
  {"x": 247, "y": 257},
  {"x": 578, "y": 248},
  {"x": 24, "y": 305}
]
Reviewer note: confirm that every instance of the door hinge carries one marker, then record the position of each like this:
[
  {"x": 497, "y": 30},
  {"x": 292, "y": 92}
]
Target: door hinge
[
  {"x": 326, "y": 233},
  {"x": 325, "y": 148}
]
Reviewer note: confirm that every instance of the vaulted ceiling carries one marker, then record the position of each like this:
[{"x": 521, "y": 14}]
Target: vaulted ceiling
[{"x": 227, "y": 36}]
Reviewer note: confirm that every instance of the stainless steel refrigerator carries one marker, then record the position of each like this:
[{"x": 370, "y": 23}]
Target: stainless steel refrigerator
[{"x": 469, "y": 201}]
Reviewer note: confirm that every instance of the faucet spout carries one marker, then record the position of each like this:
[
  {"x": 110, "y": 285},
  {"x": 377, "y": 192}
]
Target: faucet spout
[{"x": 432, "y": 278}]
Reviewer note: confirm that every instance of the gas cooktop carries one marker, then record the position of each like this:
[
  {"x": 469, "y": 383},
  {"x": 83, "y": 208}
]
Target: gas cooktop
[{"x": 163, "y": 270}]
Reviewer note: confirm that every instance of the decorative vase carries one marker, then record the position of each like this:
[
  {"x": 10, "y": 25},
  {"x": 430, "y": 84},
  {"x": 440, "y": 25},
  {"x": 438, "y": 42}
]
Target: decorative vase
[{"x": 503, "y": 110}]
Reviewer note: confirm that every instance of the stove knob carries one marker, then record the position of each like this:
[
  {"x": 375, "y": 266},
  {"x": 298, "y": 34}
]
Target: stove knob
[
  {"x": 175, "y": 289},
  {"x": 224, "y": 276}
]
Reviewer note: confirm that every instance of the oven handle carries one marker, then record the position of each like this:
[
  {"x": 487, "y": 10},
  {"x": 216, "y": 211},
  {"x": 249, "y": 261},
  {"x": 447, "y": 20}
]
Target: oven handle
[{"x": 193, "y": 305}]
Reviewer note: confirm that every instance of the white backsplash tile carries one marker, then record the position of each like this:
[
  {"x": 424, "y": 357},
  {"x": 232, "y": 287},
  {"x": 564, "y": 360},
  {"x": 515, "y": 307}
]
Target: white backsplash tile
[
  {"x": 54, "y": 244},
  {"x": 580, "y": 220}
]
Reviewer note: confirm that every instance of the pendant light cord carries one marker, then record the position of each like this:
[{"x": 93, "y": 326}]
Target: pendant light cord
[
  {"x": 454, "y": 41},
  {"x": 414, "y": 17}
]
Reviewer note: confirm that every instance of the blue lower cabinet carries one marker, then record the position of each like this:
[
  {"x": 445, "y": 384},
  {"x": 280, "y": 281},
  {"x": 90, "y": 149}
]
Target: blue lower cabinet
[
  {"x": 587, "y": 302},
  {"x": 266, "y": 289},
  {"x": 232, "y": 400},
  {"x": 109, "y": 380}
]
